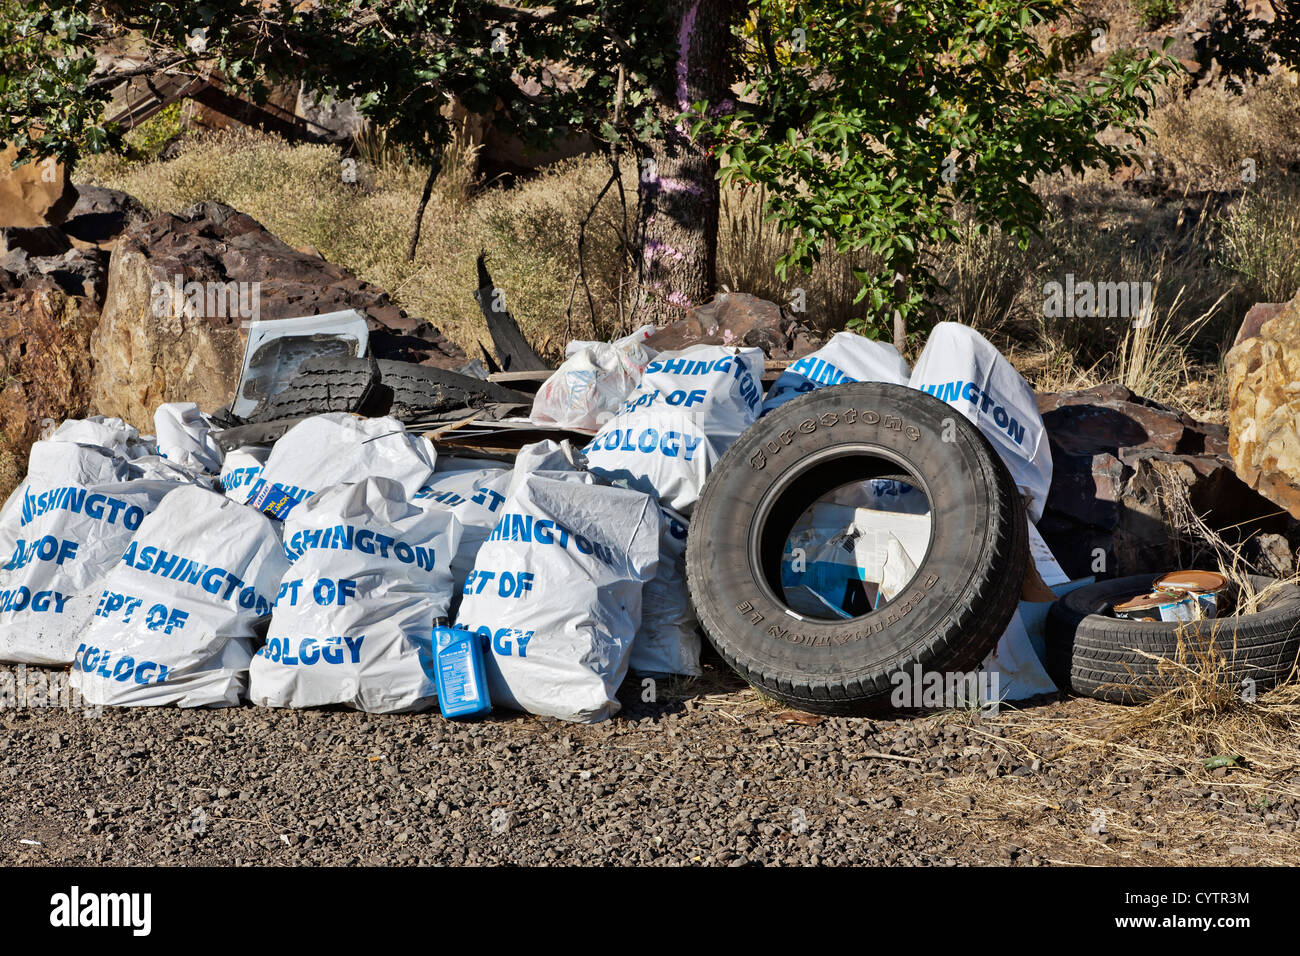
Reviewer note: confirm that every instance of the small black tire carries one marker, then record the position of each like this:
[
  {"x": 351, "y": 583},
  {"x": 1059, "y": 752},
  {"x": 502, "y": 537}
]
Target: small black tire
[
  {"x": 1106, "y": 657},
  {"x": 418, "y": 391},
  {"x": 946, "y": 620},
  {"x": 322, "y": 384}
]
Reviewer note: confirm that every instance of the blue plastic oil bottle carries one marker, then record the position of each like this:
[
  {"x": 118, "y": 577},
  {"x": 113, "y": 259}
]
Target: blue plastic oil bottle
[{"x": 459, "y": 673}]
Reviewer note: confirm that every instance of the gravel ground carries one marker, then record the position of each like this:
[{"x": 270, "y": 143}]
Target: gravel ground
[{"x": 711, "y": 774}]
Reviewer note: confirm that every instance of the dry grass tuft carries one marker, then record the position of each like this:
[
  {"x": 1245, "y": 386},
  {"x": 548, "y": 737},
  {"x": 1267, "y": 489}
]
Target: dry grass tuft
[{"x": 1153, "y": 357}]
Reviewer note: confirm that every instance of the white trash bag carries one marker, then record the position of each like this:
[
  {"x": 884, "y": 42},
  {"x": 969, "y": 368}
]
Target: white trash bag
[
  {"x": 592, "y": 382},
  {"x": 551, "y": 459},
  {"x": 964, "y": 369},
  {"x": 690, "y": 406},
  {"x": 157, "y": 468},
  {"x": 475, "y": 496},
  {"x": 353, "y": 618},
  {"x": 474, "y": 490},
  {"x": 61, "y": 538},
  {"x": 339, "y": 449},
  {"x": 113, "y": 434},
  {"x": 174, "y": 622},
  {"x": 668, "y": 642},
  {"x": 721, "y": 387},
  {"x": 240, "y": 470},
  {"x": 184, "y": 436},
  {"x": 58, "y": 464},
  {"x": 557, "y": 593},
  {"x": 637, "y": 338},
  {"x": 663, "y": 452},
  {"x": 845, "y": 358}
]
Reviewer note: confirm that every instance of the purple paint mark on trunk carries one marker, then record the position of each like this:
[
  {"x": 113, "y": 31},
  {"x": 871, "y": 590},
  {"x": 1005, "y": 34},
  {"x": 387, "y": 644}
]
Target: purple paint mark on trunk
[
  {"x": 680, "y": 186},
  {"x": 684, "y": 53},
  {"x": 673, "y": 298},
  {"x": 654, "y": 248}
]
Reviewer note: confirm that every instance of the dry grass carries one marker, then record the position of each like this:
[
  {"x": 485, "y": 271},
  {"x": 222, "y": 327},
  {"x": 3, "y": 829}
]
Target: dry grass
[
  {"x": 1181, "y": 778},
  {"x": 1200, "y": 703},
  {"x": 1208, "y": 136},
  {"x": 299, "y": 192},
  {"x": 1260, "y": 237},
  {"x": 749, "y": 246},
  {"x": 1210, "y": 243},
  {"x": 1153, "y": 358},
  {"x": 1145, "y": 780}
]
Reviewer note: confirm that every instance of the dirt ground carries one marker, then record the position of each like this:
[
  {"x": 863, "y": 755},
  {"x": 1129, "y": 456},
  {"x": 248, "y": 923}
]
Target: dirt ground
[{"x": 708, "y": 773}]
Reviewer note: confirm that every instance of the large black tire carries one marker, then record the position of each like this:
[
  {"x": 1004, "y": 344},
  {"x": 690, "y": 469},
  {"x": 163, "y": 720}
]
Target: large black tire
[
  {"x": 1105, "y": 657},
  {"x": 322, "y": 384},
  {"x": 946, "y": 620},
  {"x": 406, "y": 391},
  {"x": 418, "y": 391}
]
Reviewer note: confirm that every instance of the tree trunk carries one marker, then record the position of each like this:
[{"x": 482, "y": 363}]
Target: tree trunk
[
  {"x": 678, "y": 179},
  {"x": 900, "y": 323}
]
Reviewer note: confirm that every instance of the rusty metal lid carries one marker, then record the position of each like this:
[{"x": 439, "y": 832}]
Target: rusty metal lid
[
  {"x": 1148, "y": 602},
  {"x": 1197, "y": 582}
]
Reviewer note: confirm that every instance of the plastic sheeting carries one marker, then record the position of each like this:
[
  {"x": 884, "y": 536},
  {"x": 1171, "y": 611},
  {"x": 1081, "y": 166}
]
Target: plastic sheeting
[{"x": 592, "y": 383}]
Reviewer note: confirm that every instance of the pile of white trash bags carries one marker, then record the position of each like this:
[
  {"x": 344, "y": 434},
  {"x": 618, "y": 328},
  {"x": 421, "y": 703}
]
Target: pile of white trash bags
[
  {"x": 665, "y": 436},
  {"x": 313, "y": 572}
]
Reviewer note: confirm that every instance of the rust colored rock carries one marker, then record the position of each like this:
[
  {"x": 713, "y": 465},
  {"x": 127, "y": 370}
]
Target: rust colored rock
[
  {"x": 181, "y": 289},
  {"x": 37, "y": 193},
  {"x": 1115, "y": 459},
  {"x": 1264, "y": 407},
  {"x": 45, "y": 361},
  {"x": 737, "y": 318},
  {"x": 1114, "y": 417},
  {"x": 1256, "y": 316},
  {"x": 101, "y": 215}
]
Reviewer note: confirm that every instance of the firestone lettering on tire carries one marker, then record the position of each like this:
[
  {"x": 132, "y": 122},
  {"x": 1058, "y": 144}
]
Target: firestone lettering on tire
[{"x": 849, "y": 416}]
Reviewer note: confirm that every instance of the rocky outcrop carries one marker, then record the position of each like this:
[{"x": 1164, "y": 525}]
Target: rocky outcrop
[
  {"x": 35, "y": 194},
  {"x": 101, "y": 215},
  {"x": 1263, "y": 372},
  {"x": 1117, "y": 458},
  {"x": 181, "y": 290},
  {"x": 45, "y": 368},
  {"x": 52, "y": 285},
  {"x": 737, "y": 318}
]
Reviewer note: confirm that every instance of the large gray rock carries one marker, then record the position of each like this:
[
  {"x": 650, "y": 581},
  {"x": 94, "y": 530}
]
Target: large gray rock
[
  {"x": 741, "y": 319},
  {"x": 101, "y": 215},
  {"x": 181, "y": 290}
]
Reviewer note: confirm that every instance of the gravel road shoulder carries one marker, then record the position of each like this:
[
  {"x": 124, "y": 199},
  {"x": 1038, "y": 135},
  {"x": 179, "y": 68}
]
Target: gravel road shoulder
[{"x": 709, "y": 773}]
